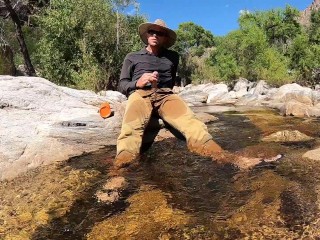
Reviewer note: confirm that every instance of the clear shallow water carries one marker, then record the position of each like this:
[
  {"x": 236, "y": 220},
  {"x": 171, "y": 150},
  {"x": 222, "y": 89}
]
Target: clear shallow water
[{"x": 174, "y": 194}]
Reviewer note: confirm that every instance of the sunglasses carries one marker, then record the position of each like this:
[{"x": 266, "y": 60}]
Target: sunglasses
[{"x": 154, "y": 32}]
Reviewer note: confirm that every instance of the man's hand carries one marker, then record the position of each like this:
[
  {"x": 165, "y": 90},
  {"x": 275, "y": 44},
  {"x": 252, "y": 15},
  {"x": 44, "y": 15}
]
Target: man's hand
[{"x": 147, "y": 78}]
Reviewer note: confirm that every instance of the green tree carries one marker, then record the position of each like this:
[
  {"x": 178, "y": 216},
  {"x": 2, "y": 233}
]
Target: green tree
[
  {"x": 78, "y": 47},
  {"x": 279, "y": 25},
  {"x": 272, "y": 66},
  {"x": 305, "y": 58},
  {"x": 314, "y": 32},
  {"x": 192, "y": 41},
  {"x": 20, "y": 37},
  {"x": 225, "y": 57}
]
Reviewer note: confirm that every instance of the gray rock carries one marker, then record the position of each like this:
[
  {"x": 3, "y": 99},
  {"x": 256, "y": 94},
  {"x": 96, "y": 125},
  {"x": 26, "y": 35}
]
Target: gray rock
[
  {"x": 42, "y": 123},
  {"x": 287, "y": 136},
  {"x": 194, "y": 96},
  {"x": 261, "y": 88},
  {"x": 242, "y": 84},
  {"x": 313, "y": 154}
]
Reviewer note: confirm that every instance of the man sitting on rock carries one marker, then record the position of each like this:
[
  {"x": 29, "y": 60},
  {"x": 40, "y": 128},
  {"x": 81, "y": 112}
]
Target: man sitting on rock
[{"x": 147, "y": 78}]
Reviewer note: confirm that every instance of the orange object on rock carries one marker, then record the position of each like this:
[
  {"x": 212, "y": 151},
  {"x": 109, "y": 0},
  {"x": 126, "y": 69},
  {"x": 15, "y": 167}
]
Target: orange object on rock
[{"x": 105, "y": 110}]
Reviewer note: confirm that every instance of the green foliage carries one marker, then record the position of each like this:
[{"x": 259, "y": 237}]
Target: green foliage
[
  {"x": 314, "y": 33},
  {"x": 191, "y": 36},
  {"x": 78, "y": 46},
  {"x": 227, "y": 67},
  {"x": 192, "y": 41},
  {"x": 202, "y": 71},
  {"x": 6, "y": 60},
  {"x": 279, "y": 25},
  {"x": 269, "y": 45},
  {"x": 272, "y": 66},
  {"x": 305, "y": 57},
  {"x": 82, "y": 43}
]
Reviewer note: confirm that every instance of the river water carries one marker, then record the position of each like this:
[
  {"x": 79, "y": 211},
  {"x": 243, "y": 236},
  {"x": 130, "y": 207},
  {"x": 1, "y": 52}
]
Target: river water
[{"x": 175, "y": 194}]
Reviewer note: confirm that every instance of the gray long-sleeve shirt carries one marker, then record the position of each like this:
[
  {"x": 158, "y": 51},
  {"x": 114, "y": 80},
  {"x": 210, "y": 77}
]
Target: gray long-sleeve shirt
[{"x": 137, "y": 63}]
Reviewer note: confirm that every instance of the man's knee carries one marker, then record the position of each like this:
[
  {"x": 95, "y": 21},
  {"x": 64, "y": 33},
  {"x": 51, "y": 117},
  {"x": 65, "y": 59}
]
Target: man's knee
[{"x": 173, "y": 107}]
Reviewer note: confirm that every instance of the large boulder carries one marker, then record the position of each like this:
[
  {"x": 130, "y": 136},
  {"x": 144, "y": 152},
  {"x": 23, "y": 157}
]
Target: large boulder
[
  {"x": 217, "y": 92},
  {"x": 43, "y": 123},
  {"x": 194, "y": 96},
  {"x": 261, "y": 88},
  {"x": 294, "y": 90}
]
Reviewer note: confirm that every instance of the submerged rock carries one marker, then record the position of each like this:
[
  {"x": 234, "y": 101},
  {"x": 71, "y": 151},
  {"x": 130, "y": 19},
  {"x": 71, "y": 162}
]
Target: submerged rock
[
  {"x": 313, "y": 154},
  {"x": 287, "y": 136},
  {"x": 111, "y": 190}
]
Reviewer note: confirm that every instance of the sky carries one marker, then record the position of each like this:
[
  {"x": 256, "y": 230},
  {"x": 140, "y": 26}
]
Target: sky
[{"x": 218, "y": 16}]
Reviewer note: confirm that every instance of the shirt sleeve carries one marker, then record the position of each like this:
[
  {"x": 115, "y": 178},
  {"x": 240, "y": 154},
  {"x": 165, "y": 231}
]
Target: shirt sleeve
[{"x": 126, "y": 84}]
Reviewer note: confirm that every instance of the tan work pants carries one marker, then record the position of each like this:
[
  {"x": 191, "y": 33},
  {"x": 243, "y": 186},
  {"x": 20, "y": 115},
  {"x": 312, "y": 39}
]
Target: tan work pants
[{"x": 142, "y": 104}]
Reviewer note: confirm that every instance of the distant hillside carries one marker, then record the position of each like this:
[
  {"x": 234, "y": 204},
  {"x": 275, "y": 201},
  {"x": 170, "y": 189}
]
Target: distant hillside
[{"x": 305, "y": 15}]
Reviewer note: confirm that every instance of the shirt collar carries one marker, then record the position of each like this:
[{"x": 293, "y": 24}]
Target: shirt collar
[{"x": 145, "y": 51}]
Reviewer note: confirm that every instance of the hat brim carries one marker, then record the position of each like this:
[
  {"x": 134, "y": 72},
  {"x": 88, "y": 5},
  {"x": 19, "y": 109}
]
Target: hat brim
[{"x": 170, "y": 38}]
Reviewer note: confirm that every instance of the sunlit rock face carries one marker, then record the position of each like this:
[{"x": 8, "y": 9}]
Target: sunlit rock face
[
  {"x": 305, "y": 14},
  {"x": 43, "y": 123}
]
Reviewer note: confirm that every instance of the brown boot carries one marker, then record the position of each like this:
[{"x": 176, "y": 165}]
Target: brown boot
[
  {"x": 208, "y": 149},
  {"x": 211, "y": 148},
  {"x": 124, "y": 159}
]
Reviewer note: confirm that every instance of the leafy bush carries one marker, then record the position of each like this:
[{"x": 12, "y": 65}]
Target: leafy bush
[{"x": 78, "y": 46}]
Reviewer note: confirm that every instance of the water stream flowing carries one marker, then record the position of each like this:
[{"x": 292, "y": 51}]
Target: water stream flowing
[{"x": 175, "y": 194}]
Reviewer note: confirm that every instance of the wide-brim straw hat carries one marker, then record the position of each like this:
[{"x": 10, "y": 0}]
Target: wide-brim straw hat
[{"x": 171, "y": 35}]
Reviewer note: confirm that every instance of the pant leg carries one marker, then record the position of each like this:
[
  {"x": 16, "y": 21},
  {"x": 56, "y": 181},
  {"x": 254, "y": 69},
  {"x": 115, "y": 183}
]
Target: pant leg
[
  {"x": 150, "y": 133},
  {"x": 177, "y": 113},
  {"x": 136, "y": 116}
]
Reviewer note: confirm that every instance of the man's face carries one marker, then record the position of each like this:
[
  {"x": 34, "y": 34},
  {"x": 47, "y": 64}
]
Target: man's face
[{"x": 156, "y": 36}]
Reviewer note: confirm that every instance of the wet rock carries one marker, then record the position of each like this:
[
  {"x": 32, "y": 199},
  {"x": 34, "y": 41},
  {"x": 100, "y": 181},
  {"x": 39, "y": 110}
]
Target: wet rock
[
  {"x": 273, "y": 159},
  {"x": 313, "y": 154},
  {"x": 287, "y": 136},
  {"x": 111, "y": 190},
  {"x": 247, "y": 162},
  {"x": 148, "y": 216},
  {"x": 298, "y": 206},
  {"x": 115, "y": 183},
  {"x": 206, "y": 117},
  {"x": 107, "y": 197}
]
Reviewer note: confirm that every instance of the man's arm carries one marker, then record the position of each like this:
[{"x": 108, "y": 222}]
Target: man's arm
[{"x": 126, "y": 84}]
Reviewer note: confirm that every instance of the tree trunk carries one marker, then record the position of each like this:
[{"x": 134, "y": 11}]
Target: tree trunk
[
  {"x": 118, "y": 26},
  {"x": 23, "y": 47}
]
